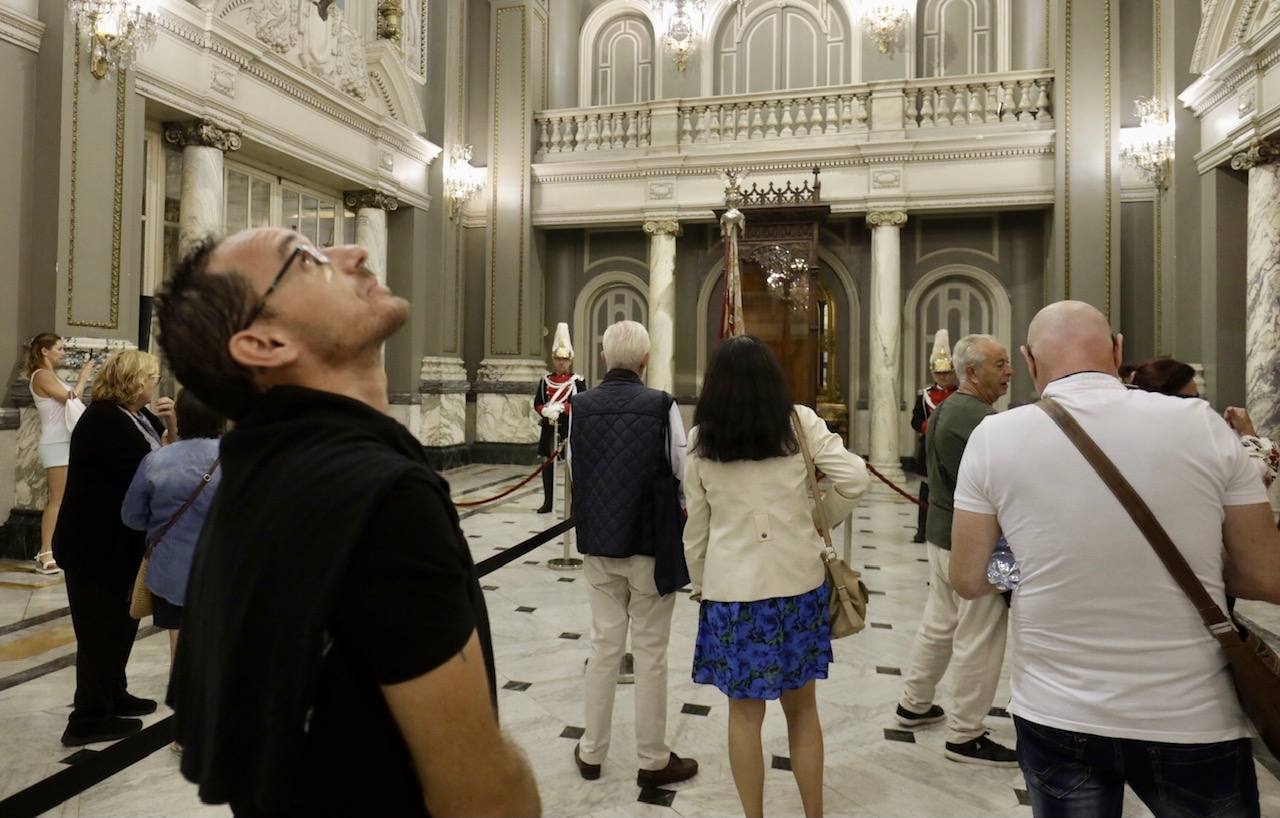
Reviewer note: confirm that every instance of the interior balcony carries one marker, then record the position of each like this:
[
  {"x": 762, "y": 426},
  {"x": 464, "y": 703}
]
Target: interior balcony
[{"x": 875, "y": 142}]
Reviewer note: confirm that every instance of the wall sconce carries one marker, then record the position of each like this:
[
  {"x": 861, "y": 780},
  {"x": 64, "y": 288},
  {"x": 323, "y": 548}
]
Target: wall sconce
[
  {"x": 117, "y": 31},
  {"x": 885, "y": 21},
  {"x": 1149, "y": 147},
  {"x": 680, "y": 22},
  {"x": 461, "y": 180},
  {"x": 390, "y": 13}
]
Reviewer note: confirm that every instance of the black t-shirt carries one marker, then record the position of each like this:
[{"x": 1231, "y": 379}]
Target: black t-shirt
[{"x": 409, "y": 603}]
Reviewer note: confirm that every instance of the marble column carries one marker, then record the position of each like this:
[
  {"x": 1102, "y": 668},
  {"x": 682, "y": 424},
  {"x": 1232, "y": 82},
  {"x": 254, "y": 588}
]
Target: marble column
[
  {"x": 371, "y": 207},
  {"x": 203, "y": 145},
  {"x": 886, "y": 342},
  {"x": 1262, "y": 285},
  {"x": 662, "y": 302}
]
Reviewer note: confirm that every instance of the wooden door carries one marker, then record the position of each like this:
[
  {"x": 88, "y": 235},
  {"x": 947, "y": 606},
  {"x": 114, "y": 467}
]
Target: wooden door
[{"x": 791, "y": 333}]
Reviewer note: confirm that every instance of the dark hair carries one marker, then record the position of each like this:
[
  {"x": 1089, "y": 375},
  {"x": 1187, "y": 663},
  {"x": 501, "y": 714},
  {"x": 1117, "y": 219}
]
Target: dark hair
[
  {"x": 198, "y": 311},
  {"x": 1126, "y": 370},
  {"x": 36, "y": 348},
  {"x": 744, "y": 412},
  {"x": 197, "y": 418},
  {"x": 1164, "y": 375}
]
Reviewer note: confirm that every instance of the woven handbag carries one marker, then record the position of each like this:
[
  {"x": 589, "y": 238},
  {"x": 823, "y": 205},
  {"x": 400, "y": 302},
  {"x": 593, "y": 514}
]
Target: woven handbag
[
  {"x": 1255, "y": 667},
  {"x": 141, "y": 602},
  {"x": 847, "y": 611}
]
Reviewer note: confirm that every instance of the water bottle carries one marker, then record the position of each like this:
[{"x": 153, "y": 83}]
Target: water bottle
[{"x": 1002, "y": 570}]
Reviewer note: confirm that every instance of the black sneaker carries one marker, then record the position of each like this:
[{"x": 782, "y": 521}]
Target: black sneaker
[
  {"x": 108, "y": 729},
  {"x": 982, "y": 750},
  {"x": 907, "y": 718},
  {"x": 128, "y": 705},
  {"x": 627, "y": 670}
]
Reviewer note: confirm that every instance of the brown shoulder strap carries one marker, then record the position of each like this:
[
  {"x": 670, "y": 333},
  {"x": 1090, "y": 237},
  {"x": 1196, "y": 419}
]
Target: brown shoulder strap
[
  {"x": 824, "y": 524},
  {"x": 1214, "y": 619}
]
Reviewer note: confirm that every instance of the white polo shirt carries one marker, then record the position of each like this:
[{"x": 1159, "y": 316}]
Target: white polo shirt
[{"x": 1104, "y": 641}]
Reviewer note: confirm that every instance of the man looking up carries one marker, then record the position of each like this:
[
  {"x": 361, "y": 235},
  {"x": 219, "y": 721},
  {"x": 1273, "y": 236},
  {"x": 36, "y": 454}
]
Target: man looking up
[
  {"x": 1115, "y": 680},
  {"x": 973, "y": 632},
  {"x": 335, "y": 655}
]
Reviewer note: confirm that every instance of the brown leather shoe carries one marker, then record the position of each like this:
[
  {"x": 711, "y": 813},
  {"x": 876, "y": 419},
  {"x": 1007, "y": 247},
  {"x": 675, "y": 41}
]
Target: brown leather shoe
[
  {"x": 588, "y": 771},
  {"x": 677, "y": 769}
]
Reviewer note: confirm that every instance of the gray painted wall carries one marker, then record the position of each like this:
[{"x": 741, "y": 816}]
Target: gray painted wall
[
  {"x": 1137, "y": 280},
  {"x": 18, "y": 321}
]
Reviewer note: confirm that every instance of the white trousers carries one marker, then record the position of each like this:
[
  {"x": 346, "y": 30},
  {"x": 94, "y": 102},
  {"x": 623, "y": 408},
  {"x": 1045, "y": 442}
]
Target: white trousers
[
  {"x": 968, "y": 635},
  {"x": 622, "y": 592}
]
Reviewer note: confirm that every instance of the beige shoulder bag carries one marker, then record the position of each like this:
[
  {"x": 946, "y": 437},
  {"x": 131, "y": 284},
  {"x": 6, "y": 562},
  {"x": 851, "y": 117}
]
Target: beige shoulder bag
[{"x": 847, "y": 605}]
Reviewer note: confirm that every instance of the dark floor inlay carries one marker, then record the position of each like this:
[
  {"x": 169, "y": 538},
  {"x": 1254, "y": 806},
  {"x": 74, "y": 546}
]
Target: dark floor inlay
[
  {"x": 888, "y": 671},
  {"x": 999, "y": 712},
  {"x": 80, "y": 755},
  {"x": 525, "y": 609},
  {"x": 865, "y": 531},
  {"x": 899, "y": 735},
  {"x": 657, "y": 796},
  {"x": 1023, "y": 799},
  {"x": 922, "y": 559},
  {"x": 570, "y": 635},
  {"x": 864, "y": 518},
  {"x": 530, "y": 562},
  {"x": 488, "y": 587},
  {"x": 566, "y": 579},
  {"x": 875, "y": 593},
  {"x": 872, "y": 567},
  {"x": 781, "y": 763},
  {"x": 684, "y": 590},
  {"x": 884, "y": 625},
  {"x": 474, "y": 536},
  {"x": 572, "y": 732},
  {"x": 495, "y": 548},
  {"x": 695, "y": 709},
  {"x": 522, "y": 686},
  {"x": 869, "y": 547}
]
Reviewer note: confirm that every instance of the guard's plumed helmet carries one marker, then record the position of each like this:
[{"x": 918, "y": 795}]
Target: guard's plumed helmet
[
  {"x": 940, "y": 361},
  {"x": 561, "y": 346}
]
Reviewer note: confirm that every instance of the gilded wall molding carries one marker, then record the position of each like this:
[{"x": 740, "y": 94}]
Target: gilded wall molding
[
  {"x": 19, "y": 29},
  {"x": 117, "y": 199},
  {"x": 376, "y": 199},
  {"x": 1107, "y": 127},
  {"x": 203, "y": 133},
  {"x": 1258, "y": 152}
]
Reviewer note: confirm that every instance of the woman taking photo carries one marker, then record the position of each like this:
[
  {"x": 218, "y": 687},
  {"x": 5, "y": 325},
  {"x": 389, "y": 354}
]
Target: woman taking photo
[
  {"x": 53, "y": 396},
  {"x": 752, "y": 548},
  {"x": 98, "y": 553}
]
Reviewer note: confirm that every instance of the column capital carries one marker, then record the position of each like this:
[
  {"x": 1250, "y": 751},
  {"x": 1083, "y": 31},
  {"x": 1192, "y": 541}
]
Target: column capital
[
  {"x": 662, "y": 227},
  {"x": 1258, "y": 152},
  {"x": 202, "y": 133},
  {"x": 370, "y": 199},
  {"x": 886, "y": 218}
]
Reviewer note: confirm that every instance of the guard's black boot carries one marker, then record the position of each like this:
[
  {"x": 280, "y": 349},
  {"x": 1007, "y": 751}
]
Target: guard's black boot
[{"x": 548, "y": 486}]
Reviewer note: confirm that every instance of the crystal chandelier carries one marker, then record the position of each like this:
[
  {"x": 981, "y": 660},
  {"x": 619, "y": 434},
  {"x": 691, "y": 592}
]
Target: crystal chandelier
[
  {"x": 117, "y": 30},
  {"x": 461, "y": 180},
  {"x": 680, "y": 22},
  {"x": 884, "y": 20},
  {"x": 786, "y": 275},
  {"x": 1149, "y": 147}
]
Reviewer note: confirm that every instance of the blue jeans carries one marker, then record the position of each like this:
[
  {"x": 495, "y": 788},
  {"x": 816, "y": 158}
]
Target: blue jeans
[{"x": 1080, "y": 775}]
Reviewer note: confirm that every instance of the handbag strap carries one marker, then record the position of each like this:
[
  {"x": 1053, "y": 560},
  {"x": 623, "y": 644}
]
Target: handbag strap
[
  {"x": 1214, "y": 619},
  {"x": 177, "y": 515},
  {"x": 824, "y": 525}
]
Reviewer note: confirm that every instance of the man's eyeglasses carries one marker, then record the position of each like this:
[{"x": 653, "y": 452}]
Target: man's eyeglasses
[{"x": 310, "y": 256}]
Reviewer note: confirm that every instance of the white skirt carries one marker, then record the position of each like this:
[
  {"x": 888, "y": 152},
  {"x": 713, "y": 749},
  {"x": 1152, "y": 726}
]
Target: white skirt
[{"x": 53, "y": 455}]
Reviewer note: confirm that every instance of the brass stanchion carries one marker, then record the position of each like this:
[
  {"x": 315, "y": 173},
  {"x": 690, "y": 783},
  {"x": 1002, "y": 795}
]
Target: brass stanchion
[{"x": 567, "y": 562}]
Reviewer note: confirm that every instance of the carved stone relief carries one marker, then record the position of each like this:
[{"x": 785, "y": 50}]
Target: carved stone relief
[{"x": 324, "y": 45}]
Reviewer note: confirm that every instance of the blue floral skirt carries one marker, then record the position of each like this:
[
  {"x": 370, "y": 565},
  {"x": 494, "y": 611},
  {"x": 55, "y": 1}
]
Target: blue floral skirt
[{"x": 758, "y": 650}]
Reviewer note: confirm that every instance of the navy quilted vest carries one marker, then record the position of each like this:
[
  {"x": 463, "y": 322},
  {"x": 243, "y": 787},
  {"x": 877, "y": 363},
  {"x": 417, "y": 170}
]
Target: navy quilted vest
[{"x": 619, "y": 446}]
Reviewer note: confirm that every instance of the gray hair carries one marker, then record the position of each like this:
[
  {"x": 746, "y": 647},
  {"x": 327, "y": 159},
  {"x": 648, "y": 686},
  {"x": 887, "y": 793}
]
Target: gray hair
[
  {"x": 969, "y": 353},
  {"x": 626, "y": 345}
]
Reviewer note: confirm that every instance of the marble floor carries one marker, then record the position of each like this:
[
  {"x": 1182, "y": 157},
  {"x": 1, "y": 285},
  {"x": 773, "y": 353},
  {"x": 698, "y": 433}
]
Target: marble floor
[{"x": 540, "y": 625}]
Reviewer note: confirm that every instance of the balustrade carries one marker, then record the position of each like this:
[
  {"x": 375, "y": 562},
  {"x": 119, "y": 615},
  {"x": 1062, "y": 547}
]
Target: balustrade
[{"x": 1020, "y": 99}]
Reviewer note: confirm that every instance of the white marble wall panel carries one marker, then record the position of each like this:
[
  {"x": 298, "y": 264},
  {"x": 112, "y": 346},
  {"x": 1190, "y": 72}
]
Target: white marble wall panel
[
  {"x": 444, "y": 419},
  {"x": 30, "y": 487},
  {"x": 1262, "y": 332},
  {"x": 505, "y": 418}
]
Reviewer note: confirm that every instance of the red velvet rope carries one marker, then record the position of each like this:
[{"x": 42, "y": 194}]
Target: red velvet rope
[
  {"x": 891, "y": 485},
  {"x": 513, "y": 489}
]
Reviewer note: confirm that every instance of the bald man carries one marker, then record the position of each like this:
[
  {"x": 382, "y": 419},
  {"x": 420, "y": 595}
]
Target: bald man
[{"x": 1114, "y": 678}]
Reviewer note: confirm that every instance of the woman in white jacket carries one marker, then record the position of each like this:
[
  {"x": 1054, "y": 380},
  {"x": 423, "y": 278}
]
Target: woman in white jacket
[{"x": 753, "y": 551}]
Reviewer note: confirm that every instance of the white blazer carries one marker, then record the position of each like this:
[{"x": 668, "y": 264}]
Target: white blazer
[{"x": 750, "y": 533}]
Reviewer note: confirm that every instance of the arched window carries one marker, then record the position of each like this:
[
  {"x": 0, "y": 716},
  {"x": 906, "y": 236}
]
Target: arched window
[
  {"x": 957, "y": 37},
  {"x": 956, "y": 305},
  {"x": 614, "y": 303},
  {"x": 764, "y": 45},
  {"x": 622, "y": 62}
]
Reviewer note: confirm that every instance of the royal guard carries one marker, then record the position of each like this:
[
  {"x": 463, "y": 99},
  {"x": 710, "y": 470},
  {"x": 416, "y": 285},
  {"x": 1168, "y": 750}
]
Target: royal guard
[
  {"x": 927, "y": 400},
  {"x": 552, "y": 401}
]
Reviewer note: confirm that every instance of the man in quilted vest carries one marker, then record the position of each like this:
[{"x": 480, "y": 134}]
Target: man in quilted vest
[{"x": 625, "y": 440}]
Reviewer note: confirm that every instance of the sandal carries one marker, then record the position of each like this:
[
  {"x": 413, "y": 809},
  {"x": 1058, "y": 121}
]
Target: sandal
[{"x": 46, "y": 566}]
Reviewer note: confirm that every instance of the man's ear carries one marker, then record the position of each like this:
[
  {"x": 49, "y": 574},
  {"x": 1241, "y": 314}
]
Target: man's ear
[
  {"x": 1031, "y": 362},
  {"x": 1117, "y": 349},
  {"x": 261, "y": 348}
]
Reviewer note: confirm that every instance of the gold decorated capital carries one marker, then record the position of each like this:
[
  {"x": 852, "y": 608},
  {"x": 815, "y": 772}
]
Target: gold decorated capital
[
  {"x": 886, "y": 218},
  {"x": 204, "y": 133},
  {"x": 1259, "y": 152},
  {"x": 356, "y": 199},
  {"x": 662, "y": 227}
]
